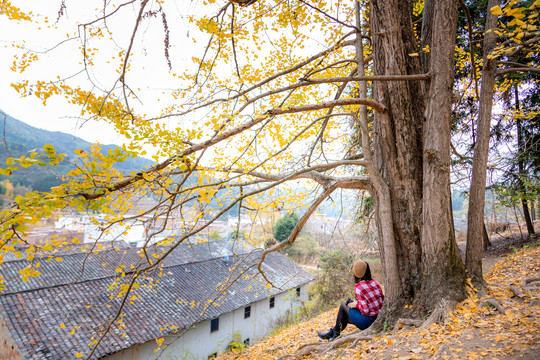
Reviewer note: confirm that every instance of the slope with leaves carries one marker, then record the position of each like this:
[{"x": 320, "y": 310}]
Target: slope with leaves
[{"x": 474, "y": 330}]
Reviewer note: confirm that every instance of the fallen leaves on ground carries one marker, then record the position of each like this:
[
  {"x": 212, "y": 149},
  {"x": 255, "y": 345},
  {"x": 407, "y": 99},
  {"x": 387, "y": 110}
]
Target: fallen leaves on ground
[{"x": 473, "y": 331}]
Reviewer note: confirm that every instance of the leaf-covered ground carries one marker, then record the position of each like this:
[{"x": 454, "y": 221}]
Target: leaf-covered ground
[{"x": 474, "y": 330}]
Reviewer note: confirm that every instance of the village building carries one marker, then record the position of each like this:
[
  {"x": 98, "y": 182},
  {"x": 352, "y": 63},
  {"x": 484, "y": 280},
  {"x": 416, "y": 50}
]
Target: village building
[{"x": 202, "y": 297}]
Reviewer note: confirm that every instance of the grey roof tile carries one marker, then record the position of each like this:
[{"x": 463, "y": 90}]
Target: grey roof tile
[{"x": 33, "y": 312}]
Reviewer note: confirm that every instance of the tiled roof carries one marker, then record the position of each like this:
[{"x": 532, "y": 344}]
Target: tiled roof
[
  {"x": 65, "y": 250},
  {"x": 190, "y": 276},
  {"x": 77, "y": 266}
]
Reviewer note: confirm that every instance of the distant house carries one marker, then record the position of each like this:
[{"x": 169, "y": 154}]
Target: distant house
[
  {"x": 95, "y": 227},
  {"x": 206, "y": 295}
]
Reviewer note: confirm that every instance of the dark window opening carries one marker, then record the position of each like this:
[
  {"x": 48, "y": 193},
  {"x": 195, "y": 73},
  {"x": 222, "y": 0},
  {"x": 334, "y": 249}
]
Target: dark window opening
[
  {"x": 298, "y": 291},
  {"x": 214, "y": 325},
  {"x": 247, "y": 312},
  {"x": 246, "y": 342},
  {"x": 272, "y": 302}
]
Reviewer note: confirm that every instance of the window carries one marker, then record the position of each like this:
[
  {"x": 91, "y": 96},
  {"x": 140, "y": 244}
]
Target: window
[
  {"x": 298, "y": 291},
  {"x": 247, "y": 312},
  {"x": 246, "y": 342},
  {"x": 214, "y": 325},
  {"x": 272, "y": 302}
]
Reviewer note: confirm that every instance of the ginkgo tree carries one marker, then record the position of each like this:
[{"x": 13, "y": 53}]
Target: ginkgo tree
[
  {"x": 268, "y": 96},
  {"x": 508, "y": 48}
]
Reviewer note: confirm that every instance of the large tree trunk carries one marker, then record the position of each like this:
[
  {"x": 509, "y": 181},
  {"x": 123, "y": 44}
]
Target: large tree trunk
[
  {"x": 443, "y": 273},
  {"x": 398, "y": 141},
  {"x": 475, "y": 221},
  {"x": 429, "y": 264},
  {"x": 380, "y": 191}
]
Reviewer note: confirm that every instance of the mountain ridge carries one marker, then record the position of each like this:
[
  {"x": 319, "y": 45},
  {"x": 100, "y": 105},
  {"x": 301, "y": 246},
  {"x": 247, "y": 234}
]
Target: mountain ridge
[{"x": 18, "y": 138}]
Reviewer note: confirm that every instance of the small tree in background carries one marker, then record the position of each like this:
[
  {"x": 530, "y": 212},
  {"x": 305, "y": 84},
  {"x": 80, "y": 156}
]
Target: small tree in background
[
  {"x": 335, "y": 282},
  {"x": 284, "y": 226}
]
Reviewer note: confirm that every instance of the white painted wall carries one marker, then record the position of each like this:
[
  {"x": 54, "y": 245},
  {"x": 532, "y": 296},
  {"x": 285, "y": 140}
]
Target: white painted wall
[
  {"x": 198, "y": 342},
  {"x": 133, "y": 233}
]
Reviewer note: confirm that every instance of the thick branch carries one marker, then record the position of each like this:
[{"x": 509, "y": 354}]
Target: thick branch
[
  {"x": 341, "y": 102},
  {"x": 368, "y": 78},
  {"x": 299, "y": 174},
  {"x": 521, "y": 69},
  {"x": 329, "y": 190}
]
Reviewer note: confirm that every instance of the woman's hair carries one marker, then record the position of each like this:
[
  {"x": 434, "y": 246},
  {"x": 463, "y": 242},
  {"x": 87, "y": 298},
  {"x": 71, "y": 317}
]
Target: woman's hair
[{"x": 366, "y": 277}]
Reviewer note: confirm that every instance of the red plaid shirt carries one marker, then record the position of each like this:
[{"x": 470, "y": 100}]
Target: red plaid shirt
[{"x": 369, "y": 296}]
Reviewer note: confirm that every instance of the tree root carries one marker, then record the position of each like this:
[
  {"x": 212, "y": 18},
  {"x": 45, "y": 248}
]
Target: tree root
[
  {"x": 345, "y": 340},
  {"x": 358, "y": 339},
  {"x": 443, "y": 308},
  {"x": 321, "y": 347},
  {"x": 317, "y": 343},
  {"x": 308, "y": 350},
  {"x": 495, "y": 304},
  {"x": 404, "y": 322},
  {"x": 516, "y": 291},
  {"x": 530, "y": 280},
  {"x": 440, "y": 351}
]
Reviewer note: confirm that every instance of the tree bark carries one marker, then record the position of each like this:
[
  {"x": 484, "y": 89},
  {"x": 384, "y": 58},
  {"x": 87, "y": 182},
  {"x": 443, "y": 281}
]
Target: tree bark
[
  {"x": 397, "y": 141},
  {"x": 486, "y": 242},
  {"x": 475, "y": 217},
  {"x": 412, "y": 151},
  {"x": 380, "y": 191},
  {"x": 443, "y": 273},
  {"x": 521, "y": 169}
]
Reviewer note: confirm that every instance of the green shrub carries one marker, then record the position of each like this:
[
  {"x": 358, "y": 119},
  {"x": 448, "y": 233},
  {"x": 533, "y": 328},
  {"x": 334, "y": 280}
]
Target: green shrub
[
  {"x": 304, "y": 247},
  {"x": 335, "y": 284},
  {"x": 284, "y": 226},
  {"x": 236, "y": 343}
]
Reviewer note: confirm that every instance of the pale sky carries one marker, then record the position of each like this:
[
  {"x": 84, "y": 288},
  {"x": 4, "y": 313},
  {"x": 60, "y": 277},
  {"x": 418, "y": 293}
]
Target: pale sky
[{"x": 57, "y": 115}]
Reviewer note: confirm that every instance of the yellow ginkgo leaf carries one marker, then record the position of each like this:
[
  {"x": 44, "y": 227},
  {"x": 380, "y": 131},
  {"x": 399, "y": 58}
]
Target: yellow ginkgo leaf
[{"x": 496, "y": 10}]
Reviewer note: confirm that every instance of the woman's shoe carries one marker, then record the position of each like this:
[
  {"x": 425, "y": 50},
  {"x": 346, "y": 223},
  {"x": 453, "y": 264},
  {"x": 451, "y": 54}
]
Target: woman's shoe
[
  {"x": 326, "y": 335},
  {"x": 335, "y": 334}
]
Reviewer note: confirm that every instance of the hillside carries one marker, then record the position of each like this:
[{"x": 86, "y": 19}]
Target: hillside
[
  {"x": 474, "y": 330},
  {"x": 19, "y": 138}
]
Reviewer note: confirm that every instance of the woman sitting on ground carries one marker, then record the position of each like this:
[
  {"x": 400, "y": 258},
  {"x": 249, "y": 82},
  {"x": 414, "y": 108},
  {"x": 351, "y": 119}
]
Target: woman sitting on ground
[{"x": 362, "y": 312}]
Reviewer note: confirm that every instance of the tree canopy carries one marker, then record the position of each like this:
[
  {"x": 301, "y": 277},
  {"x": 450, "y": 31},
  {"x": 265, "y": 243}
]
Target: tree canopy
[{"x": 284, "y": 226}]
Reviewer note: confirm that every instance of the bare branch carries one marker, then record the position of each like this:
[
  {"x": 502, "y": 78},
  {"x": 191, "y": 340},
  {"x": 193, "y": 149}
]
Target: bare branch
[
  {"x": 329, "y": 190},
  {"x": 522, "y": 69},
  {"x": 341, "y": 43},
  {"x": 330, "y": 16},
  {"x": 461, "y": 157}
]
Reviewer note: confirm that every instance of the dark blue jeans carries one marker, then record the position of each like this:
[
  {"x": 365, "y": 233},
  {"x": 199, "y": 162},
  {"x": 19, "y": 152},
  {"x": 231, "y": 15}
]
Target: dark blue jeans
[
  {"x": 352, "y": 316},
  {"x": 361, "y": 321}
]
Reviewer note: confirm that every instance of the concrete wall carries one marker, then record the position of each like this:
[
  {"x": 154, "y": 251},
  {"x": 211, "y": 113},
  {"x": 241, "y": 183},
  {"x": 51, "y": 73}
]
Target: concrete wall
[{"x": 199, "y": 343}]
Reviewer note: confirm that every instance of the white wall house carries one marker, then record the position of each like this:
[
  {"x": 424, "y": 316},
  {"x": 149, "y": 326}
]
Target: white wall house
[
  {"x": 206, "y": 294},
  {"x": 134, "y": 233},
  {"x": 211, "y": 337}
]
